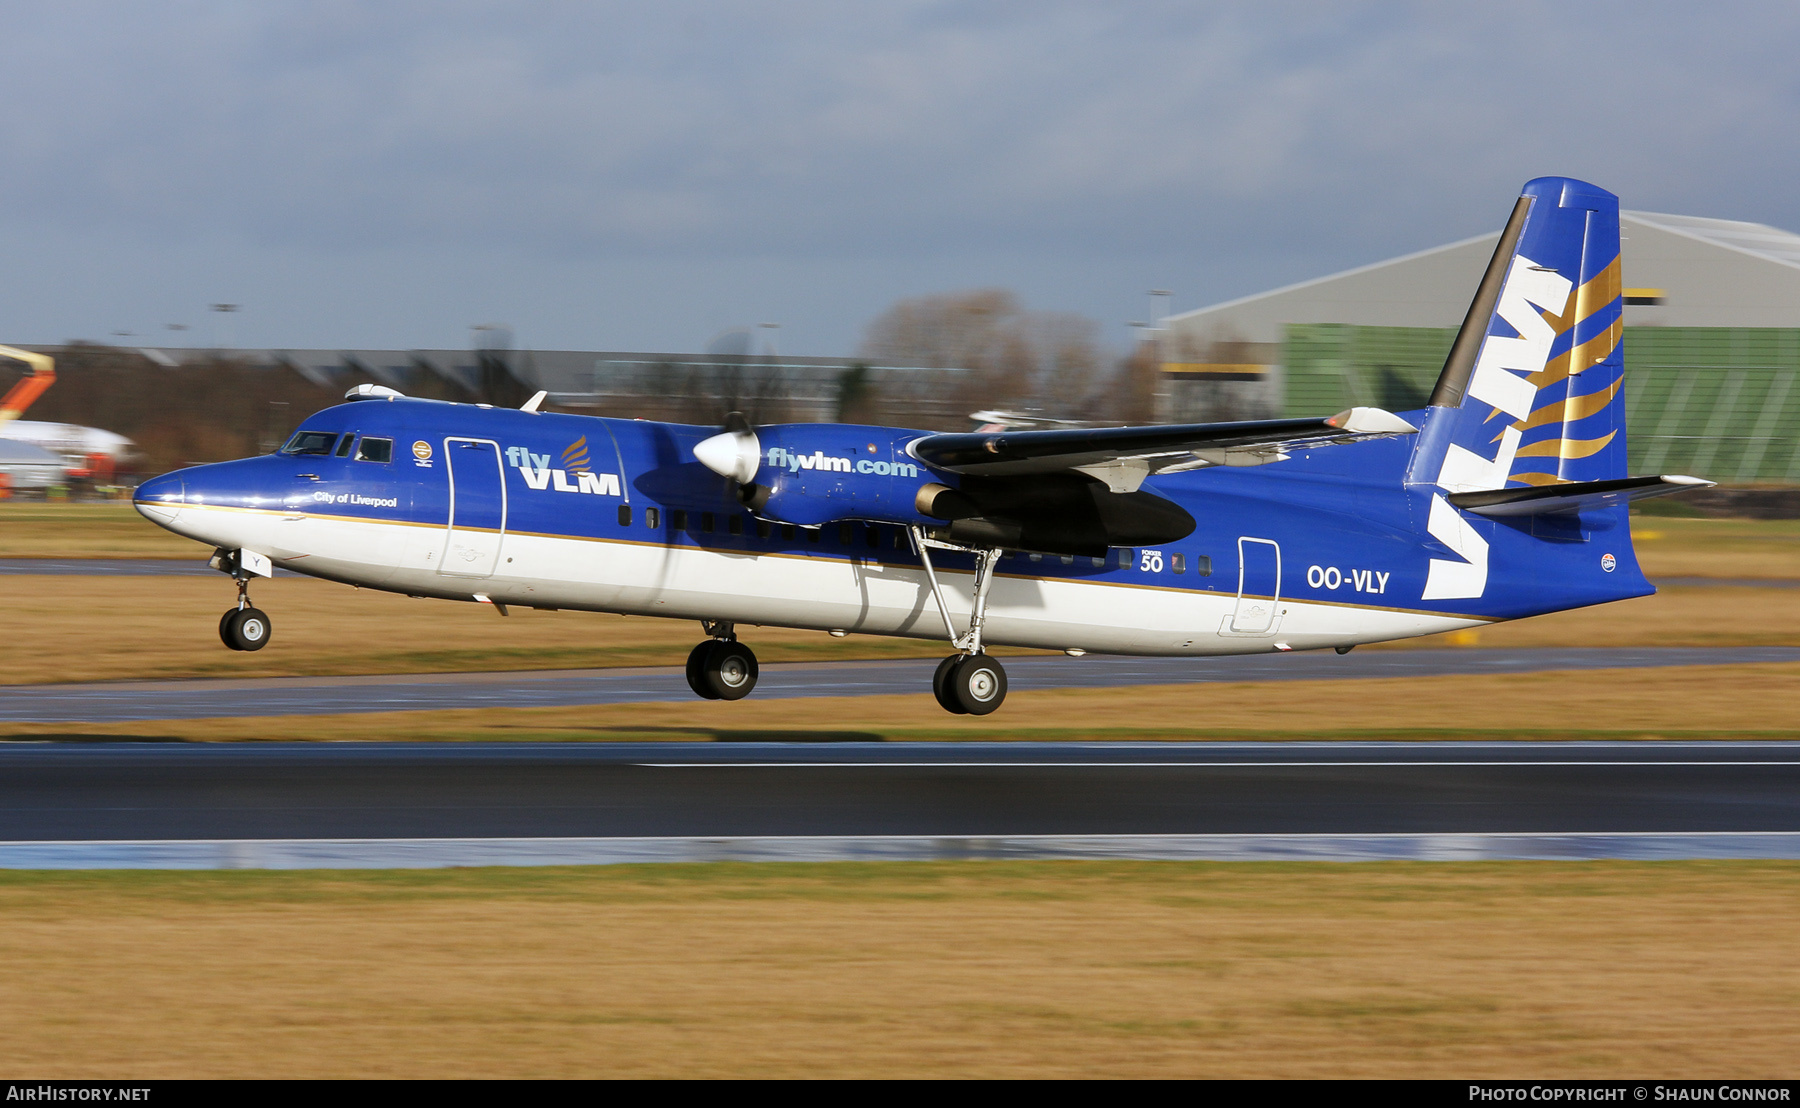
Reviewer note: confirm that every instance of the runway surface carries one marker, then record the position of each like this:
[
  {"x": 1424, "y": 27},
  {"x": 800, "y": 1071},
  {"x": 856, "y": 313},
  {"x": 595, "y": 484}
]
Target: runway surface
[
  {"x": 110, "y": 702},
  {"x": 934, "y": 790}
]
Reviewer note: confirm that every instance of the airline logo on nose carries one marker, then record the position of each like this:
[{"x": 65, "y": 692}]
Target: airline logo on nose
[{"x": 538, "y": 474}]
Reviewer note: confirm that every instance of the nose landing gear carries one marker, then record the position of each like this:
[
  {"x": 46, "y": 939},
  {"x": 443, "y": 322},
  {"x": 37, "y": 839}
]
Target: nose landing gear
[
  {"x": 721, "y": 668},
  {"x": 243, "y": 627}
]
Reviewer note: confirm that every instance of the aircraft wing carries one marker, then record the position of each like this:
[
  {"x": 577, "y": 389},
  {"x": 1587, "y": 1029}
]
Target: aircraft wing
[
  {"x": 1123, "y": 456},
  {"x": 1575, "y": 496}
]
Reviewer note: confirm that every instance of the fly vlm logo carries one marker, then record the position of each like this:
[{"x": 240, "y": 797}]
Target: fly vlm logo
[{"x": 535, "y": 468}]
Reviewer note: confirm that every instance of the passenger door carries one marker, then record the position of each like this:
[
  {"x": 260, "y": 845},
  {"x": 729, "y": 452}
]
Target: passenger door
[
  {"x": 1259, "y": 586},
  {"x": 477, "y": 525}
]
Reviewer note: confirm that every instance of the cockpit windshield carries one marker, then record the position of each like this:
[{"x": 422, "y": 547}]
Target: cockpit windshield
[{"x": 310, "y": 442}]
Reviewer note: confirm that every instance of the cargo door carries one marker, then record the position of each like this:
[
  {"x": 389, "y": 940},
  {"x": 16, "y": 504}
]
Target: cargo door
[
  {"x": 1259, "y": 586},
  {"x": 477, "y": 508}
]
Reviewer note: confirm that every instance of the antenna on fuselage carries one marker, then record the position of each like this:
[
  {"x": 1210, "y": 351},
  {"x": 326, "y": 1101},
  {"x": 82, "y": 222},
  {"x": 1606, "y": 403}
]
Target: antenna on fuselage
[{"x": 532, "y": 404}]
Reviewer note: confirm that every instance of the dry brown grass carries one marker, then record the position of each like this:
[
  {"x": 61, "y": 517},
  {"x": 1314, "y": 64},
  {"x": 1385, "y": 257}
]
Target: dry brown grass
[
  {"x": 1717, "y": 547},
  {"x": 941, "y": 969},
  {"x": 1691, "y": 702},
  {"x": 103, "y": 628},
  {"x": 102, "y": 529},
  {"x": 98, "y": 628}
]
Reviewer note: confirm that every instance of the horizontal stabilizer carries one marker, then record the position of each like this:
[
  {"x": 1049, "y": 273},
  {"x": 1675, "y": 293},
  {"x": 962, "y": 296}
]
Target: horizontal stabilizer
[
  {"x": 1183, "y": 446},
  {"x": 1577, "y": 496}
]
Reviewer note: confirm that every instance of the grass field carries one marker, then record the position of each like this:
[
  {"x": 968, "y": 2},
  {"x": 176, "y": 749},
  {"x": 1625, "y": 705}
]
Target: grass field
[
  {"x": 103, "y": 628},
  {"x": 1743, "y": 702},
  {"x": 930, "y": 969}
]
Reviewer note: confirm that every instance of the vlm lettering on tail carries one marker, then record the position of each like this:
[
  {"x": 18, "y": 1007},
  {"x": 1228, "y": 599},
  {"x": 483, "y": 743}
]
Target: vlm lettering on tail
[{"x": 1505, "y": 497}]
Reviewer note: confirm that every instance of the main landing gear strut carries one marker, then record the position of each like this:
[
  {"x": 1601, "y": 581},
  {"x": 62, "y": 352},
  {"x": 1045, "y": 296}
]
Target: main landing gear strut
[
  {"x": 967, "y": 682},
  {"x": 721, "y": 668},
  {"x": 243, "y": 627}
]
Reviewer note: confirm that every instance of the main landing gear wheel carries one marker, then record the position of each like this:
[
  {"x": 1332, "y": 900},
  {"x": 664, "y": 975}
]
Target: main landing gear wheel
[
  {"x": 722, "y": 669},
  {"x": 968, "y": 682},
  {"x": 940, "y": 685},
  {"x": 696, "y": 670},
  {"x": 974, "y": 684},
  {"x": 245, "y": 629}
]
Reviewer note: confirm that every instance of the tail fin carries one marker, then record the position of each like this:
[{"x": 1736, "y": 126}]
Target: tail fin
[{"x": 1533, "y": 392}]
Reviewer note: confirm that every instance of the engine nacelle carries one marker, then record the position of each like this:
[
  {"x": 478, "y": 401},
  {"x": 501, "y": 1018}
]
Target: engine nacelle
[{"x": 811, "y": 474}]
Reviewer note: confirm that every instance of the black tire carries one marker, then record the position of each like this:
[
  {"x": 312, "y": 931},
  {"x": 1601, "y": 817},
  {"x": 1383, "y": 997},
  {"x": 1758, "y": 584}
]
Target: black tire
[
  {"x": 249, "y": 628},
  {"x": 225, "y": 629},
  {"x": 696, "y": 671},
  {"x": 940, "y": 686},
  {"x": 730, "y": 670},
  {"x": 978, "y": 684}
]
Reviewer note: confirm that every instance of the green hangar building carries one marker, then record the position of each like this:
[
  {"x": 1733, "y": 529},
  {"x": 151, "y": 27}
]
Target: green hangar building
[{"x": 1712, "y": 344}]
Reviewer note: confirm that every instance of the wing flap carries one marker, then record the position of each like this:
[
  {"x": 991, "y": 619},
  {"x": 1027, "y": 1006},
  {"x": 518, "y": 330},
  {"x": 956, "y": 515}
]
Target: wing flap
[
  {"x": 1186, "y": 446},
  {"x": 1576, "y": 496}
]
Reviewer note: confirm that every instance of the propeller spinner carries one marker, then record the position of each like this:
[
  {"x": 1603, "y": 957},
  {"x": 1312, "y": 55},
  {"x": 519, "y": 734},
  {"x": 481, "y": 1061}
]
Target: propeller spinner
[{"x": 734, "y": 452}]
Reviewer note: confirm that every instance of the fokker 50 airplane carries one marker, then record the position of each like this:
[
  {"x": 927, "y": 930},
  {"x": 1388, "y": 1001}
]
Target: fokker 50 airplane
[{"x": 1505, "y": 497}]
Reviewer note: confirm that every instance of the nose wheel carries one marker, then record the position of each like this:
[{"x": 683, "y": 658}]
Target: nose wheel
[
  {"x": 721, "y": 668},
  {"x": 243, "y": 627}
]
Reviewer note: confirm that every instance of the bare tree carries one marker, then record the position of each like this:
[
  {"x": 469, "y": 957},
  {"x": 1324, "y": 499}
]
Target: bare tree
[{"x": 1010, "y": 357}]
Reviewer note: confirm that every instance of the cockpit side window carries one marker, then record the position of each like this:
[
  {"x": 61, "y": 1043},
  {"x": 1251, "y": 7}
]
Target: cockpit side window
[
  {"x": 375, "y": 450},
  {"x": 343, "y": 450},
  {"x": 311, "y": 442}
]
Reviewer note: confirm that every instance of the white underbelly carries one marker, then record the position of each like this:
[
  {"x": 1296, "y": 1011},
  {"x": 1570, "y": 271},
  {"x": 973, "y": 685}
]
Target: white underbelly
[{"x": 835, "y": 594}]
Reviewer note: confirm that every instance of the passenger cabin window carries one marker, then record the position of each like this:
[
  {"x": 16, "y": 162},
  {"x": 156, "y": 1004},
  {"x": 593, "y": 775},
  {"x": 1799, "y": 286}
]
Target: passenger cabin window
[
  {"x": 1202, "y": 565},
  {"x": 375, "y": 450},
  {"x": 706, "y": 522},
  {"x": 735, "y": 525},
  {"x": 311, "y": 442},
  {"x": 844, "y": 538},
  {"x": 873, "y": 539},
  {"x": 764, "y": 529},
  {"x": 787, "y": 532},
  {"x": 343, "y": 450},
  {"x": 1177, "y": 563},
  {"x": 652, "y": 518},
  {"x": 678, "y": 519},
  {"x": 624, "y": 515}
]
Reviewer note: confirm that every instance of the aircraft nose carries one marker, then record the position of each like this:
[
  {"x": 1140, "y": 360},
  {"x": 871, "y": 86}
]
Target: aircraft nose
[{"x": 160, "y": 499}]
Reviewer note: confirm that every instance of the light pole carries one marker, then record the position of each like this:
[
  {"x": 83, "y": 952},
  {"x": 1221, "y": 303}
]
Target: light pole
[
  {"x": 222, "y": 328},
  {"x": 1168, "y": 300}
]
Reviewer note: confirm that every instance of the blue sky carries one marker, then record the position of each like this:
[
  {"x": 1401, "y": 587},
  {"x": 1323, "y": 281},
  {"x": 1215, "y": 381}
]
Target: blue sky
[{"x": 632, "y": 176}]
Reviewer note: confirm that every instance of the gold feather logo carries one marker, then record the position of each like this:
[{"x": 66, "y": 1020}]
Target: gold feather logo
[{"x": 575, "y": 458}]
